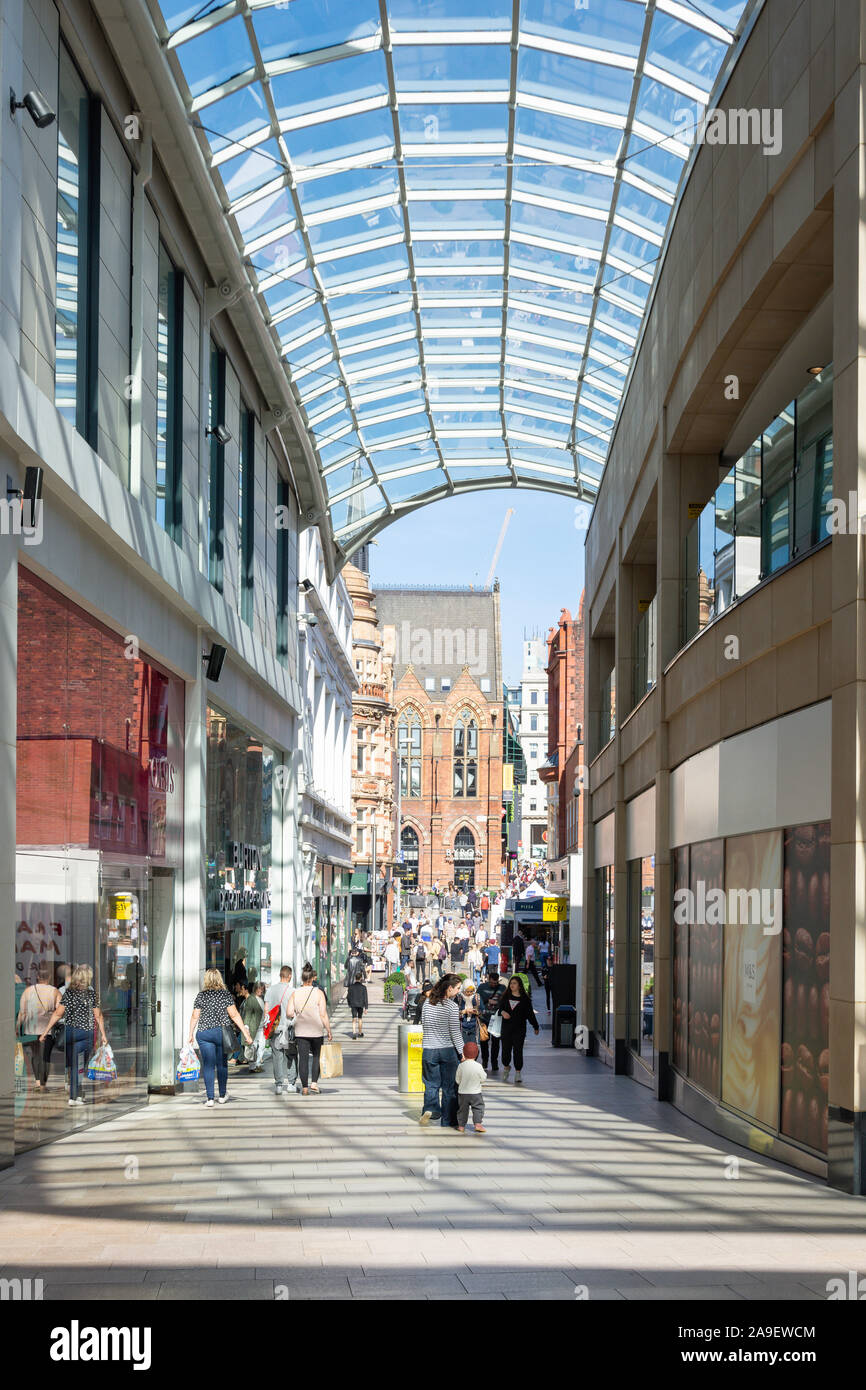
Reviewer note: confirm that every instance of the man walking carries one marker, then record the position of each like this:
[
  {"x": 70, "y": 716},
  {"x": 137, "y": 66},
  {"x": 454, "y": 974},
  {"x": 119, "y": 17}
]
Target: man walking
[
  {"x": 489, "y": 998},
  {"x": 282, "y": 1034}
]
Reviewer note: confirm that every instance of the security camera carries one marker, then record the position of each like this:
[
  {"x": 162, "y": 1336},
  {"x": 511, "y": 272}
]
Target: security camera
[
  {"x": 307, "y": 620},
  {"x": 36, "y": 106},
  {"x": 221, "y": 434}
]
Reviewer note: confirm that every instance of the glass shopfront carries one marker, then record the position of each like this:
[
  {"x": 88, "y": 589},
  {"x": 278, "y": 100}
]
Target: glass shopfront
[
  {"x": 239, "y": 824},
  {"x": 607, "y": 935},
  {"x": 641, "y": 966},
  {"x": 751, "y": 1001},
  {"x": 99, "y": 815},
  {"x": 332, "y": 927}
]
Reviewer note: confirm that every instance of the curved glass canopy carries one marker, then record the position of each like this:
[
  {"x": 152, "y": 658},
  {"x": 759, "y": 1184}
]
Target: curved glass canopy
[{"x": 452, "y": 211}]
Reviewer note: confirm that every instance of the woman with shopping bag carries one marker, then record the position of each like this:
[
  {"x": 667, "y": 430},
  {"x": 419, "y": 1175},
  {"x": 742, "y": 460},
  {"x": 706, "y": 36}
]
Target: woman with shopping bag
[
  {"x": 309, "y": 1008},
  {"x": 79, "y": 1010},
  {"x": 212, "y": 1009}
]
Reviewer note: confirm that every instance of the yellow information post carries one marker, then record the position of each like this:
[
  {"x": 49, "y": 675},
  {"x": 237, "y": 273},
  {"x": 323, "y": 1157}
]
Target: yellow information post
[{"x": 410, "y": 1041}]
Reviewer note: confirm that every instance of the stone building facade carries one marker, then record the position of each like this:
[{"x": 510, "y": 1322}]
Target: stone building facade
[{"x": 373, "y": 801}]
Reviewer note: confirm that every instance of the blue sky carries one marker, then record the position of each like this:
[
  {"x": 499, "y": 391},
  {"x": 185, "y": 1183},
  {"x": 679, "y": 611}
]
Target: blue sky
[{"x": 540, "y": 567}]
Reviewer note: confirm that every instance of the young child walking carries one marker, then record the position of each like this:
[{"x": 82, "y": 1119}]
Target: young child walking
[{"x": 470, "y": 1079}]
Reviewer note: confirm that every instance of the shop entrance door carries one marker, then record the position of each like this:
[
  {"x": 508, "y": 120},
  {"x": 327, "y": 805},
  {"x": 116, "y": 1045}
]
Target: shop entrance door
[
  {"x": 464, "y": 877},
  {"x": 121, "y": 975},
  {"x": 162, "y": 1051}
]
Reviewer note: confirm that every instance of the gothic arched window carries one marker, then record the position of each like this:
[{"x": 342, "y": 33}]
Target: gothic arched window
[
  {"x": 409, "y": 753},
  {"x": 466, "y": 756}
]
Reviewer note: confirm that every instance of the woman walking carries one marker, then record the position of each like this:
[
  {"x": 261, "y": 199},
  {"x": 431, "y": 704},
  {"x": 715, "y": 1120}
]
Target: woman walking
[
  {"x": 79, "y": 1009},
  {"x": 38, "y": 1003},
  {"x": 442, "y": 1052},
  {"x": 516, "y": 1010},
  {"x": 308, "y": 1007},
  {"x": 211, "y": 1010}
]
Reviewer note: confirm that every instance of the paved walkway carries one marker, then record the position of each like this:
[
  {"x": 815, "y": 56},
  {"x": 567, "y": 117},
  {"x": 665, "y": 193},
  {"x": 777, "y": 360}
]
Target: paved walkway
[{"x": 583, "y": 1182}]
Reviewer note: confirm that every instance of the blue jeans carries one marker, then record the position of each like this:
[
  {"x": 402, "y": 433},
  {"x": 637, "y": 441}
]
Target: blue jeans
[
  {"x": 79, "y": 1043},
  {"x": 439, "y": 1070},
  {"x": 210, "y": 1045}
]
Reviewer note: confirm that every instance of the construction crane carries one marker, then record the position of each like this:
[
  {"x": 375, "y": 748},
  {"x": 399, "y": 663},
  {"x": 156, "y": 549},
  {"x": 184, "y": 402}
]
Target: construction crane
[{"x": 508, "y": 515}]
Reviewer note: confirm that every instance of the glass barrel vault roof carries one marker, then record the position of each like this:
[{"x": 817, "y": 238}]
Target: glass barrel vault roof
[{"x": 452, "y": 211}]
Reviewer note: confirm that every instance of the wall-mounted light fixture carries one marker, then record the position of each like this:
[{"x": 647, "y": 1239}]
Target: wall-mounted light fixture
[
  {"x": 213, "y": 661},
  {"x": 36, "y": 106},
  {"x": 220, "y": 434}
]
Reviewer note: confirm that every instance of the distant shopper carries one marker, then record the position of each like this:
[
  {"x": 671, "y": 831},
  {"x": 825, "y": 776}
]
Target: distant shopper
[
  {"x": 79, "y": 1010},
  {"x": 283, "y": 1035},
  {"x": 474, "y": 963},
  {"x": 211, "y": 1010},
  {"x": 358, "y": 1003},
  {"x": 406, "y": 944},
  {"x": 239, "y": 969},
  {"x": 309, "y": 1009},
  {"x": 441, "y": 1053},
  {"x": 421, "y": 960},
  {"x": 529, "y": 961},
  {"x": 356, "y": 967},
  {"x": 516, "y": 1010},
  {"x": 440, "y": 957},
  {"x": 470, "y": 1080},
  {"x": 253, "y": 1013},
  {"x": 392, "y": 956},
  {"x": 38, "y": 1003},
  {"x": 490, "y": 996}
]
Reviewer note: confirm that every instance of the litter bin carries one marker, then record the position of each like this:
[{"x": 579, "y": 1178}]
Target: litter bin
[
  {"x": 564, "y": 1025},
  {"x": 409, "y": 1044}
]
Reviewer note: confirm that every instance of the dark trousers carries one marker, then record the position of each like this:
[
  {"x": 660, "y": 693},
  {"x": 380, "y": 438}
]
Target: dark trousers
[
  {"x": 475, "y": 1101},
  {"x": 213, "y": 1060},
  {"x": 532, "y": 969},
  {"x": 421, "y": 969},
  {"x": 439, "y": 1070},
  {"x": 512, "y": 1041},
  {"x": 40, "y": 1058},
  {"x": 308, "y": 1048},
  {"x": 490, "y": 1048},
  {"x": 79, "y": 1043}
]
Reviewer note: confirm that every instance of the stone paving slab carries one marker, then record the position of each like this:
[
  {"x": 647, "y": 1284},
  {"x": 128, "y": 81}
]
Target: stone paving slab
[{"x": 583, "y": 1178}]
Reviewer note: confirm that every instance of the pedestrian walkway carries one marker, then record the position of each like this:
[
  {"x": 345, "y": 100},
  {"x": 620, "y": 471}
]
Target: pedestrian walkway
[{"x": 583, "y": 1186}]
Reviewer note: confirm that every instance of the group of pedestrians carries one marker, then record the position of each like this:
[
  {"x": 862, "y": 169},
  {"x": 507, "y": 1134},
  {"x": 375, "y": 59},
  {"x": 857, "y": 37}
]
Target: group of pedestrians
[
  {"x": 298, "y": 1024},
  {"x": 458, "y": 1021}
]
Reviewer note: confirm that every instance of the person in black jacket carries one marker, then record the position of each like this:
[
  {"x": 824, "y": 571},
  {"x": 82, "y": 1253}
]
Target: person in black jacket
[
  {"x": 490, "y": 996},
  {"x": 516, "y": 1010},
  {"x": 356, "y": 995}
]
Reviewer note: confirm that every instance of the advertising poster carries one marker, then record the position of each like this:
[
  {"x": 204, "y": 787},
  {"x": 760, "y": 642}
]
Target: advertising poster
[
  {"x": 704, "y": 1011},
  {"x": 753, "y": 963},
  {"x": 681, "y": 967},
  {"x": 806, "y": 985}
]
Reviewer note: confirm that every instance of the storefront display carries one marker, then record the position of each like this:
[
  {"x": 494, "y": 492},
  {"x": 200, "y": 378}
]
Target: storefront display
[
  {"x": 704, "y": 1012},
  {"x": 681, "y": 965},
  {"x": 99, "y": 816},
  {"x": 239, "y": 826},
  {"x": 752, "y": 983},
  {"x": 806, "y": 985}
]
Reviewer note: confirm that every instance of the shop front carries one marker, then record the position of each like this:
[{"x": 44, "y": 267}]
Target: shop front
[
  {"x": 239, "y": 852},
  {"x": 99, "y": 816},
  {"x": 332, "y": 918}
]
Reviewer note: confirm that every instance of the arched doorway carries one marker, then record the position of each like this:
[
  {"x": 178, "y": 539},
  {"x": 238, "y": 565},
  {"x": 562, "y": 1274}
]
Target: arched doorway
[
  {"x": 464, "y": 859},
  {"x": 409, "y": 852}
]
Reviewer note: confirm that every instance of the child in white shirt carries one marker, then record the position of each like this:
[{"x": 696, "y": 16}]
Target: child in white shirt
[{"x": 470, "y": 1079}]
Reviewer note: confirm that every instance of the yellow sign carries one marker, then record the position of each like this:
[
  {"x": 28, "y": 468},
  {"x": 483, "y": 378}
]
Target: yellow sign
[
  {"x": 555, "y": 909},
  {"x": 123, "y": 908},
  {"x": 695, "y": 509},
  {"x": 415, "y": 1044},
  {"x": 507, "y": 777}
]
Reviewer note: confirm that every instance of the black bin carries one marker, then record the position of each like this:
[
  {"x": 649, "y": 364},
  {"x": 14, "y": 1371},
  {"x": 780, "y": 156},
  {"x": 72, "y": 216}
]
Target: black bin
[{"x": 564, "y": 1026}]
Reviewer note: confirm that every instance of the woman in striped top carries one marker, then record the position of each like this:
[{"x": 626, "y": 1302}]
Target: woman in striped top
[{"x": 441, "y": 1051}]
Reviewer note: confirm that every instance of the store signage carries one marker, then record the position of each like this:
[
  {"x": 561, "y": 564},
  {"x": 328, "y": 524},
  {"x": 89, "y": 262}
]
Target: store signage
[
  {"x": 162, "y": 774},
  {"x": 244, "y": 859},
  {"x": 554, "y": 909},
  {"x": 695, "y": 509}
]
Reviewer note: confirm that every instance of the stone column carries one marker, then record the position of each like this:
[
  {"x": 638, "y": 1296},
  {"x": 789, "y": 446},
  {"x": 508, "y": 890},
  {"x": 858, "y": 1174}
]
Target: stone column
[{"x": 847, "y": 1095}]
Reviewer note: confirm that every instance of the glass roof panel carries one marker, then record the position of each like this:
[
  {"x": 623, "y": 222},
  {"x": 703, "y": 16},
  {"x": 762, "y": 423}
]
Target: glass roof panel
[{"x": 372, "y": 244}]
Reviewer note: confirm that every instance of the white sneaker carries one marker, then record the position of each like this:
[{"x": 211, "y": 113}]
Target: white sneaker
[
  {"x": 221, "y": 1100},
  {"x": 518, "y": 1079},
  {"x": 506, "y": 1072},
  {"x": 425, "y": 1118},
  {"x": 208, "y": 1105}
]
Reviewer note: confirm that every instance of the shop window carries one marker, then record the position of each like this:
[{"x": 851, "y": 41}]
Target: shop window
[
  {"x": 246, "y": 512},
  {"x": 283, "y": 575},
  {"x": 76, "y": 365},
  {"x": 605, "y": 888},
  {"x": 169, "y": 395},
  {"x": 707, "y": 872},
  {"x": 772, "y": 506},
  {"x": 680, "y": 965},
  {"x": 217, "y": 468},
  {"x": 641, "y": 958},
  {"x": 805, "y": 1055},
  {"x": 464, "y": 859},
  {"x": 409, "y": 753},
  {"x": 465, "y": 757},
  {"x": 409, "y": 852}
]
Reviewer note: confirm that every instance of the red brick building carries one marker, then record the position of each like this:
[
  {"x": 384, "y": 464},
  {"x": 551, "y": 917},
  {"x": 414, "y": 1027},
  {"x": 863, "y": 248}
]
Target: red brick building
[
  {"x": 561, "y": 772},
  {"x": 448, "y": 733}
]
